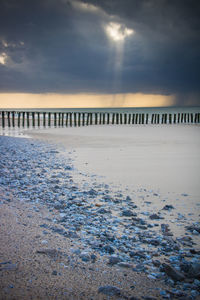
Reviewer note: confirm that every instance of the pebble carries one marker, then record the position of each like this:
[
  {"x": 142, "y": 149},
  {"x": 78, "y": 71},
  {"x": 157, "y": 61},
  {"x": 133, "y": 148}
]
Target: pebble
[
  {"x": 101, "y": 222},
  {"x": 109, "y": 290}
]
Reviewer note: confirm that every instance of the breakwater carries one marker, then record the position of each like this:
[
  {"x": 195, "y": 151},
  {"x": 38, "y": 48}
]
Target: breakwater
[{"x": 65, "y": 119}]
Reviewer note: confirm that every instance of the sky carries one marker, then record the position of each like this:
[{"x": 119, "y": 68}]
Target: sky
[{"x": 72, "y": 53}]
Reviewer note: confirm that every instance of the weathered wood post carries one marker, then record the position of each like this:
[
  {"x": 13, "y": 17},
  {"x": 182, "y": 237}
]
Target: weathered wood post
[
  {"x": 49, "y": 119},
  {"x": 23, "y": 118},
  {"x": 13, "y": 119},
  {"x": 79, "y": 119},
  {"x": 27, "y": 116},
  {"x": 55, "y": 119},
  {"x": 8, "y": 117},
  {"x": 129, "y": 118},
  {"x": 142, "y": 118},
  {"x": 121, "y": 119},
  {"x": 108, "y": 118},
  {"x": 3, "y": 119},
  {"x": 113, "y": 118},
  {"x": 188, "y": 118},
  {"x": 44, "y": 119},
  {"x": 178, "y": 120},
  {"x": 125, "y": 118},
  {"x": 83, "y": 119},
  {"x": 59, "y": 119},
  {"x": 191, "y": 117},
  {"x": 182, "y": 118},
  {"x": 87, "y": 123},
  {"x": 133, "y": 119},
  {"x": 152, "y": 118},
  {"x": 38, "y": 119},
  {"x": 66, "y": 119},
  {"x": 170, "y": 118},
  {"x": 117, "y": 118},
  {"x": 75, "y": 119},
  {"x": 166, "y": 118},
  {"x": 91, "y": 119},
  {"x": 19, "y": 117},
  {"x": 136, "y": 119},
  {"x": 96, "y": 118},
  {"x": 163, "y": 116},
  {"x": 174, "y": 118},
  {"x": 62, "y": 119},
  {"x": 70, "y": 119},
  {"x": 33, "y": 119},
  {"x": 147, "y": 118},
  {"x": 103, "y": 118}
]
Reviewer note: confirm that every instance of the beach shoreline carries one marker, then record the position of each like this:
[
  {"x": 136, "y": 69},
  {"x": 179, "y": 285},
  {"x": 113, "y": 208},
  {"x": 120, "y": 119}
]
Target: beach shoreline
[{"x": 133, "y": 236}]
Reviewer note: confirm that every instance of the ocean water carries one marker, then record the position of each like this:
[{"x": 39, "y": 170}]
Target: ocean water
[{"x": 131, "y": 110}]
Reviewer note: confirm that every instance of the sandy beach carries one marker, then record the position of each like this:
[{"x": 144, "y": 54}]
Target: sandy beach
[{"x": 97, "y": 212}]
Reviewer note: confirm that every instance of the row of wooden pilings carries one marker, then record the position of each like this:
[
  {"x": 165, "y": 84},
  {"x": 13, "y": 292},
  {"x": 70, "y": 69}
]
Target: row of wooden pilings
[{"x": 61, "y": 119}]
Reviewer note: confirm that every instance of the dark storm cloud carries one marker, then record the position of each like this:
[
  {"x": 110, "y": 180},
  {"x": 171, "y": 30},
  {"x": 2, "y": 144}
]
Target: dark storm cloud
[{"x": 61, "y": 46}]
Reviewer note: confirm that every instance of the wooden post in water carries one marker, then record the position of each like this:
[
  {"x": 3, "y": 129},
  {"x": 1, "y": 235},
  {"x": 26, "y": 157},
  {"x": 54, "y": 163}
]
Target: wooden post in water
[
  {"x": 136, "y": 118},
  {"x": 62, "y": 119},
  {"x": 96, "y": 118},
  {"x": 152, "y": 118},
  {"x": 163, "y": 116},
  {"x": 59, "y": 119},
  {"x": 3, "y": 119},
  {"x": 49, "y": 119},
  {"x": 13, "y": 119},
  {"x": 23, "y": 118},
  {"x": 174, "y": 118},
  {"x": 33, "y": 119},
  {"x": 38, "y": 119},
  {"x": 191, "y": 117},
  {"x": 75, "y": 119},
  {"x": 27, "y": 116},
  {"x": 108, "y": 118},
  {"x": 133, "y": 119},
  {"x": 170, "y": 118},
  {"x": 147, "y": 118},
  {"x": 8, "y": 117},
  {"x": 117, "y": 118},
  {"x": 113, "y": 118},
  {"x": 140, "y": 120},
  {"x": 66, "y": 119},
  {"x": 121, "y": 120},
  {"x": 188, "y": 118},
  {"x": 129, "y": 118},
  {"x": 87, "y": 119},
  {"x": 125, "y": 118},
  {"x": 79, "y": 119},
  {"x": 44, "y": 119},
  {"x": 91, "y": 118},
  {"x": 19, "y": 116},
  {"x": 83, "y": 119},
  {"x": 178, "y": 120},
  {"x": 55, "y": 119},
  {"x": 182, "y": 118},
  {"x": 103, "y": 118},
  {"x": 70, "y": 119}
]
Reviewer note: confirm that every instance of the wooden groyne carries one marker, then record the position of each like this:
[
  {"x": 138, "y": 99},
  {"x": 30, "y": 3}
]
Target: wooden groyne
[{"x": 65, "y": 119}]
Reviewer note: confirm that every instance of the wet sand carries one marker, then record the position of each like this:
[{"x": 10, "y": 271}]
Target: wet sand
[{"x": 128, "y": 163}]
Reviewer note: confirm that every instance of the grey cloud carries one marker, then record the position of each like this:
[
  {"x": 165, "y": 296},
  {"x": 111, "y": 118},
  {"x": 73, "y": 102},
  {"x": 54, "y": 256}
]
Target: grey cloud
[{"x": 55, "y": 47}]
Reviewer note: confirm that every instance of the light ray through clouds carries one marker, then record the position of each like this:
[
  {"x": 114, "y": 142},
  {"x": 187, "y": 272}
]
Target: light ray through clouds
[{"x": 117, "y": 33}]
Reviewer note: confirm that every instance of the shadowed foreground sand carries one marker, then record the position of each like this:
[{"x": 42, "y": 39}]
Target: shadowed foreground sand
[{"x": 58, "y": 274}]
